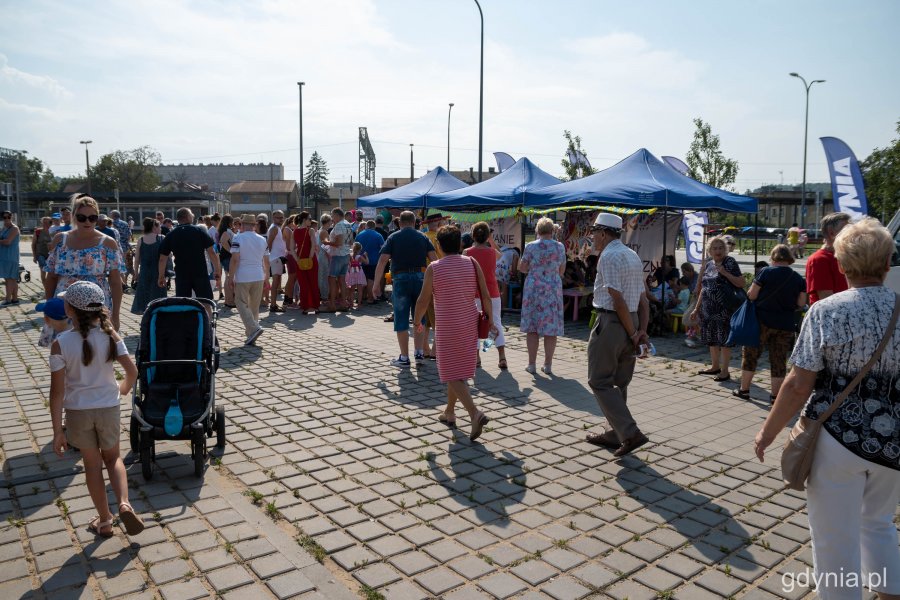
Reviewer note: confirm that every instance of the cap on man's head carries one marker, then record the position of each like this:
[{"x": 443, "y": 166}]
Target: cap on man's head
[
  {"x": 248, "y": 219},
  {"x": 607, "y": 220},
  {"x": 54, "y": 308},
  {"x": 85, "y": 295},
  {"x": 56, "y": 216}
]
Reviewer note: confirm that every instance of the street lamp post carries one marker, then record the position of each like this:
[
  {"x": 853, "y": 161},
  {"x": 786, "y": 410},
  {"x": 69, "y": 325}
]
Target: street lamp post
[
  {"x": 411, "y": 165},
  {"x": 300, "y": 85},
  {"x": 805, "y": 138},
  {"x": 448, "y": 135},
  {"x": 87, "y": 163},
  {"x": 481, "y": 95}
]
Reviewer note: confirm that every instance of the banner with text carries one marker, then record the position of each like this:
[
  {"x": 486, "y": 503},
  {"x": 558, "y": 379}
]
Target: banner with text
[
  {"x": 507, "y": 231},
  {"x": 692, "y": 230},
  {"x": 643, "y": 234},
  {"x": 847, "y": 185}
]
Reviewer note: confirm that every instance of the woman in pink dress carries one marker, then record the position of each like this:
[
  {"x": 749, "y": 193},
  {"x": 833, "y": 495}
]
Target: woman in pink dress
[{"x": 453, "y": 282}]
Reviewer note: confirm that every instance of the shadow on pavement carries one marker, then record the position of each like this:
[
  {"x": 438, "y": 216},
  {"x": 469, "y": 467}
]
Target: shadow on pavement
[
  {"x": 240, "y": 355},
  {"x": 480, "y": 480},
  {"x": 571, "y": 393},
  {"x": 708, "y": 527}
]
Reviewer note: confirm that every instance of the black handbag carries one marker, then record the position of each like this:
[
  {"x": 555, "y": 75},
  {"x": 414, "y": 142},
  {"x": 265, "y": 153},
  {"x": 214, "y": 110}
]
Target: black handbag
[{"x": 734, "y": 297}]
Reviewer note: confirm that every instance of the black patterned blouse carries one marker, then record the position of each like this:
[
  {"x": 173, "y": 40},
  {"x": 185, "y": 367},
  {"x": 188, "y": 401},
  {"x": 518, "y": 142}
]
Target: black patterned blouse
[{"x": 839, "y": 335}]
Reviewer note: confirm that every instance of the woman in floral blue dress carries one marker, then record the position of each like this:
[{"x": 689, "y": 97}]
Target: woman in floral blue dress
[
  {"x": 544, "y": 261},
  {"x": 85, "y": 254}
]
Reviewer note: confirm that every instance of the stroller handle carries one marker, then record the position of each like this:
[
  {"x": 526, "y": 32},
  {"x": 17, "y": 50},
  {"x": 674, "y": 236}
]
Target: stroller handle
[{"x": 180, "y": 361}]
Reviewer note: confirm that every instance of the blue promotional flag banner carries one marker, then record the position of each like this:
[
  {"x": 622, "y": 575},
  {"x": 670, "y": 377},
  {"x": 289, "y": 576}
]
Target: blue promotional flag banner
[
  {"x": 504, "y": 161},
  {"x": 692, "y": 229},
  {"x": 677, "y": 164},
  {"x": 847, "y": 185}
]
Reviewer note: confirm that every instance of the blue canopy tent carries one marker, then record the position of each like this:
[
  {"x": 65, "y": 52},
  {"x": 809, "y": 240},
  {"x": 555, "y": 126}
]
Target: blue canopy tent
[
  {"x": 414, "y": 195},
  {"x": 506, "y": 189},
  {"x": 641, "y": 181}
]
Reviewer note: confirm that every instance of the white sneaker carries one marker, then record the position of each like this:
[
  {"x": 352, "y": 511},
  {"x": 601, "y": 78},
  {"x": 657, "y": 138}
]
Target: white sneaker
[
  {"x": 251, "y": 339},
  {"x": 402, "y": 363},
  {"x": 420, "y": 357}
]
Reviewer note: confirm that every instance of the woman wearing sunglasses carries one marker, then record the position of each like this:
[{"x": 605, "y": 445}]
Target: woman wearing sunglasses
[
  {"x": 9, "y": 259},
  {"x": 85, "y": 254}
]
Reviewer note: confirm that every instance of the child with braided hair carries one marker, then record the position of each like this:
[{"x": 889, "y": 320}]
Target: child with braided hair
[{"x": 83, "y": 382}]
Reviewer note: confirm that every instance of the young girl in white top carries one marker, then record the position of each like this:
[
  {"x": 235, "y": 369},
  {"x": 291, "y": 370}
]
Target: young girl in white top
[{"x": 83, "y": 382}]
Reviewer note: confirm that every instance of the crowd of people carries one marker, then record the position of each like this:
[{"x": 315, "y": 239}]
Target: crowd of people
[{"x": 452, "y": 283}]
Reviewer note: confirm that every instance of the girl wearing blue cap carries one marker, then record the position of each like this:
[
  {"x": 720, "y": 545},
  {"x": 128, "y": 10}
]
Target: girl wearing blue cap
[{"x": 83, "y": 382}]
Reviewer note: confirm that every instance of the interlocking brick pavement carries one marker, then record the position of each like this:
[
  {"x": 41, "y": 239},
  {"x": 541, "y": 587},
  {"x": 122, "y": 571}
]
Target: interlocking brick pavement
[{"x": 348, "y": 457}]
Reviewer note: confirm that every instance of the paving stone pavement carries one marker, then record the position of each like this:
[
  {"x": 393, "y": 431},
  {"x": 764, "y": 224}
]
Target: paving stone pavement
[{"x": 330, "y": 447}]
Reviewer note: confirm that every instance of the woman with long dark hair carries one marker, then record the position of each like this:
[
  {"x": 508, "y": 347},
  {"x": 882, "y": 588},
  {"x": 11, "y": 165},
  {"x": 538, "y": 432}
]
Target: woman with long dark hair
[{"x": 146, "y": 260}]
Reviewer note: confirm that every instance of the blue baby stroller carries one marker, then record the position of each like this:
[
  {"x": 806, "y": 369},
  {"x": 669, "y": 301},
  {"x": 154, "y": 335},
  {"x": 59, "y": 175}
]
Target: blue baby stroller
[{"x": 175, "y": 397}]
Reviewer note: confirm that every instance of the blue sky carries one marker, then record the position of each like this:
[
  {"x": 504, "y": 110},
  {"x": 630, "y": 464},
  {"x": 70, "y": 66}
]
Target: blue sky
[{"x": 205, "y": 81}]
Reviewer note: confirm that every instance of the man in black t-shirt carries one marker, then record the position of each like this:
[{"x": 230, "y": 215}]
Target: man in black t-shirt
[
  {"x": 189, "y": 243},
  {"x": 408, "y": 251}
]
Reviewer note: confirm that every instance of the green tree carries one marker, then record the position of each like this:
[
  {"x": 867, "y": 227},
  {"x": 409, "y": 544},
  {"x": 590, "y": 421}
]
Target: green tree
[
  {"x": 315, "y": 179},
  {"x": 34, "y": 175},
  {"x": 575, "y": 169},
  {"x": 881, "y": 171},
  {"x": 706, "y": 161},
  {"x": 129, "y": 170}
]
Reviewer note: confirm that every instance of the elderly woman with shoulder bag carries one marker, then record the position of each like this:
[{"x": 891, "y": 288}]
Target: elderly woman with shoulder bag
[{"x": 846, "y": 368}]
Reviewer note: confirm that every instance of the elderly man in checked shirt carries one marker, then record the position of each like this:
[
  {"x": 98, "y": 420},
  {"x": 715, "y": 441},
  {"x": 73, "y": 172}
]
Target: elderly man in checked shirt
[{"x": 620, "y": 329}]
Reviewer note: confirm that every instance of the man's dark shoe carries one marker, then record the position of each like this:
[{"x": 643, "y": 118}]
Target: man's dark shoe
[
  {"x": 607, "y": 439},
  {"x": 631, "y": 444}
]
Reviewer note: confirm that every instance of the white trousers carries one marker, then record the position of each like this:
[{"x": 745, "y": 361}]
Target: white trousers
[
  {"x": 498, "y": 323},
  {"x": 851, "y": 503}
]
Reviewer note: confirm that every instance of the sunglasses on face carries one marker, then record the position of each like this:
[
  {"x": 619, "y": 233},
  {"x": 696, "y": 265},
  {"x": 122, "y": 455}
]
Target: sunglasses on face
[{"x": 82, "y": 218}]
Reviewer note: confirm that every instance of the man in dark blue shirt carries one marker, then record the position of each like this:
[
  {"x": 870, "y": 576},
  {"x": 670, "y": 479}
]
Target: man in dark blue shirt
[
  {"x": 188, "y": 242},
  {"x": 408, "y": 251},
  {"x": 371, "y": 242}
]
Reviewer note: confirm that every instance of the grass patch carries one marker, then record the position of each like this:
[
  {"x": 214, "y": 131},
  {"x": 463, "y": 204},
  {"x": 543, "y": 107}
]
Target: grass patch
[
  {"x": 255, "y": 497},
  {"x": 370, "y": 593},
  {"x": 313, "y": 547}
]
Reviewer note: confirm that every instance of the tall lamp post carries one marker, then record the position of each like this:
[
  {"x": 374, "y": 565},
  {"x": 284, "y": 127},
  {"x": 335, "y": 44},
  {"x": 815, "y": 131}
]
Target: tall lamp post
[
  {"x": 448, "y": 135},
  {"x": 805, "y": 138},
  {"x": 481, "y": 94},
  {"x": 87, "y": 163},
  {"x": 300, "y": 85},
  {"x": 411, "y": 165}
]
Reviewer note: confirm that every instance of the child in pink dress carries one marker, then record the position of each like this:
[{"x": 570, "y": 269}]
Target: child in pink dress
[{"x": 356, "y": 278}]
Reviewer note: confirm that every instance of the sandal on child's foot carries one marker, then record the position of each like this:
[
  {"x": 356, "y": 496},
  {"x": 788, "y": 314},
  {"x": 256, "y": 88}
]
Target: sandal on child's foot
[
  {"x": 502, "y": 364},
  {"x": 742, "y": 394},
  {"x": 133, "y": 523},
  {"x": 450, "y": 421},
  {"x": 101, "y": 528}
]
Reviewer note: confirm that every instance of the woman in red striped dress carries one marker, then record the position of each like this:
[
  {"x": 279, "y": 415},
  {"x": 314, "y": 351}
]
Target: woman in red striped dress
[{"x": 454, "y": 282}]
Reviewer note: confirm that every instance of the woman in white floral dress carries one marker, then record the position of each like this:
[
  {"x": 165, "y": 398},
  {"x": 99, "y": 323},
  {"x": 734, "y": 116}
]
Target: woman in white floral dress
[{"x": 854, "y": 486}]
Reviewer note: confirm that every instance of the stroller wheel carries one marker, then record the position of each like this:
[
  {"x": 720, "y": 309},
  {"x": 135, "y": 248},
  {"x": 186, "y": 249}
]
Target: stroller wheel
[
  {"x": 135, "y": 435},
  {"x": 220, "y": 426},
  {"x": 198, "y": 451},
  {"x": 147, "y": 458}
]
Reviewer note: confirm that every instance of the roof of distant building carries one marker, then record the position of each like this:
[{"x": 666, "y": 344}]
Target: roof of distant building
[{"x": 278, "y": 186}]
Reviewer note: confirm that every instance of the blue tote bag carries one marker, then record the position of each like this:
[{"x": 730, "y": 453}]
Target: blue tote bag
[{"x": 744, "y": 326}]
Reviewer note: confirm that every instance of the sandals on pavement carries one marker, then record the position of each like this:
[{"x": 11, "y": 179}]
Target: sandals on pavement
[
  {"x": 607, "y": 439},
  {"x": 722, "y": 378},
  {"x": 709, "y": 372},
  {"x": 101, "y": 528},
  {"x": 450, "y": 422},
  {"x": 133, "y": 523},
  {"x": 502, "y": 364},
  {"x": 478, "y": 425},
  {"x": 742, "y": 394}
]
